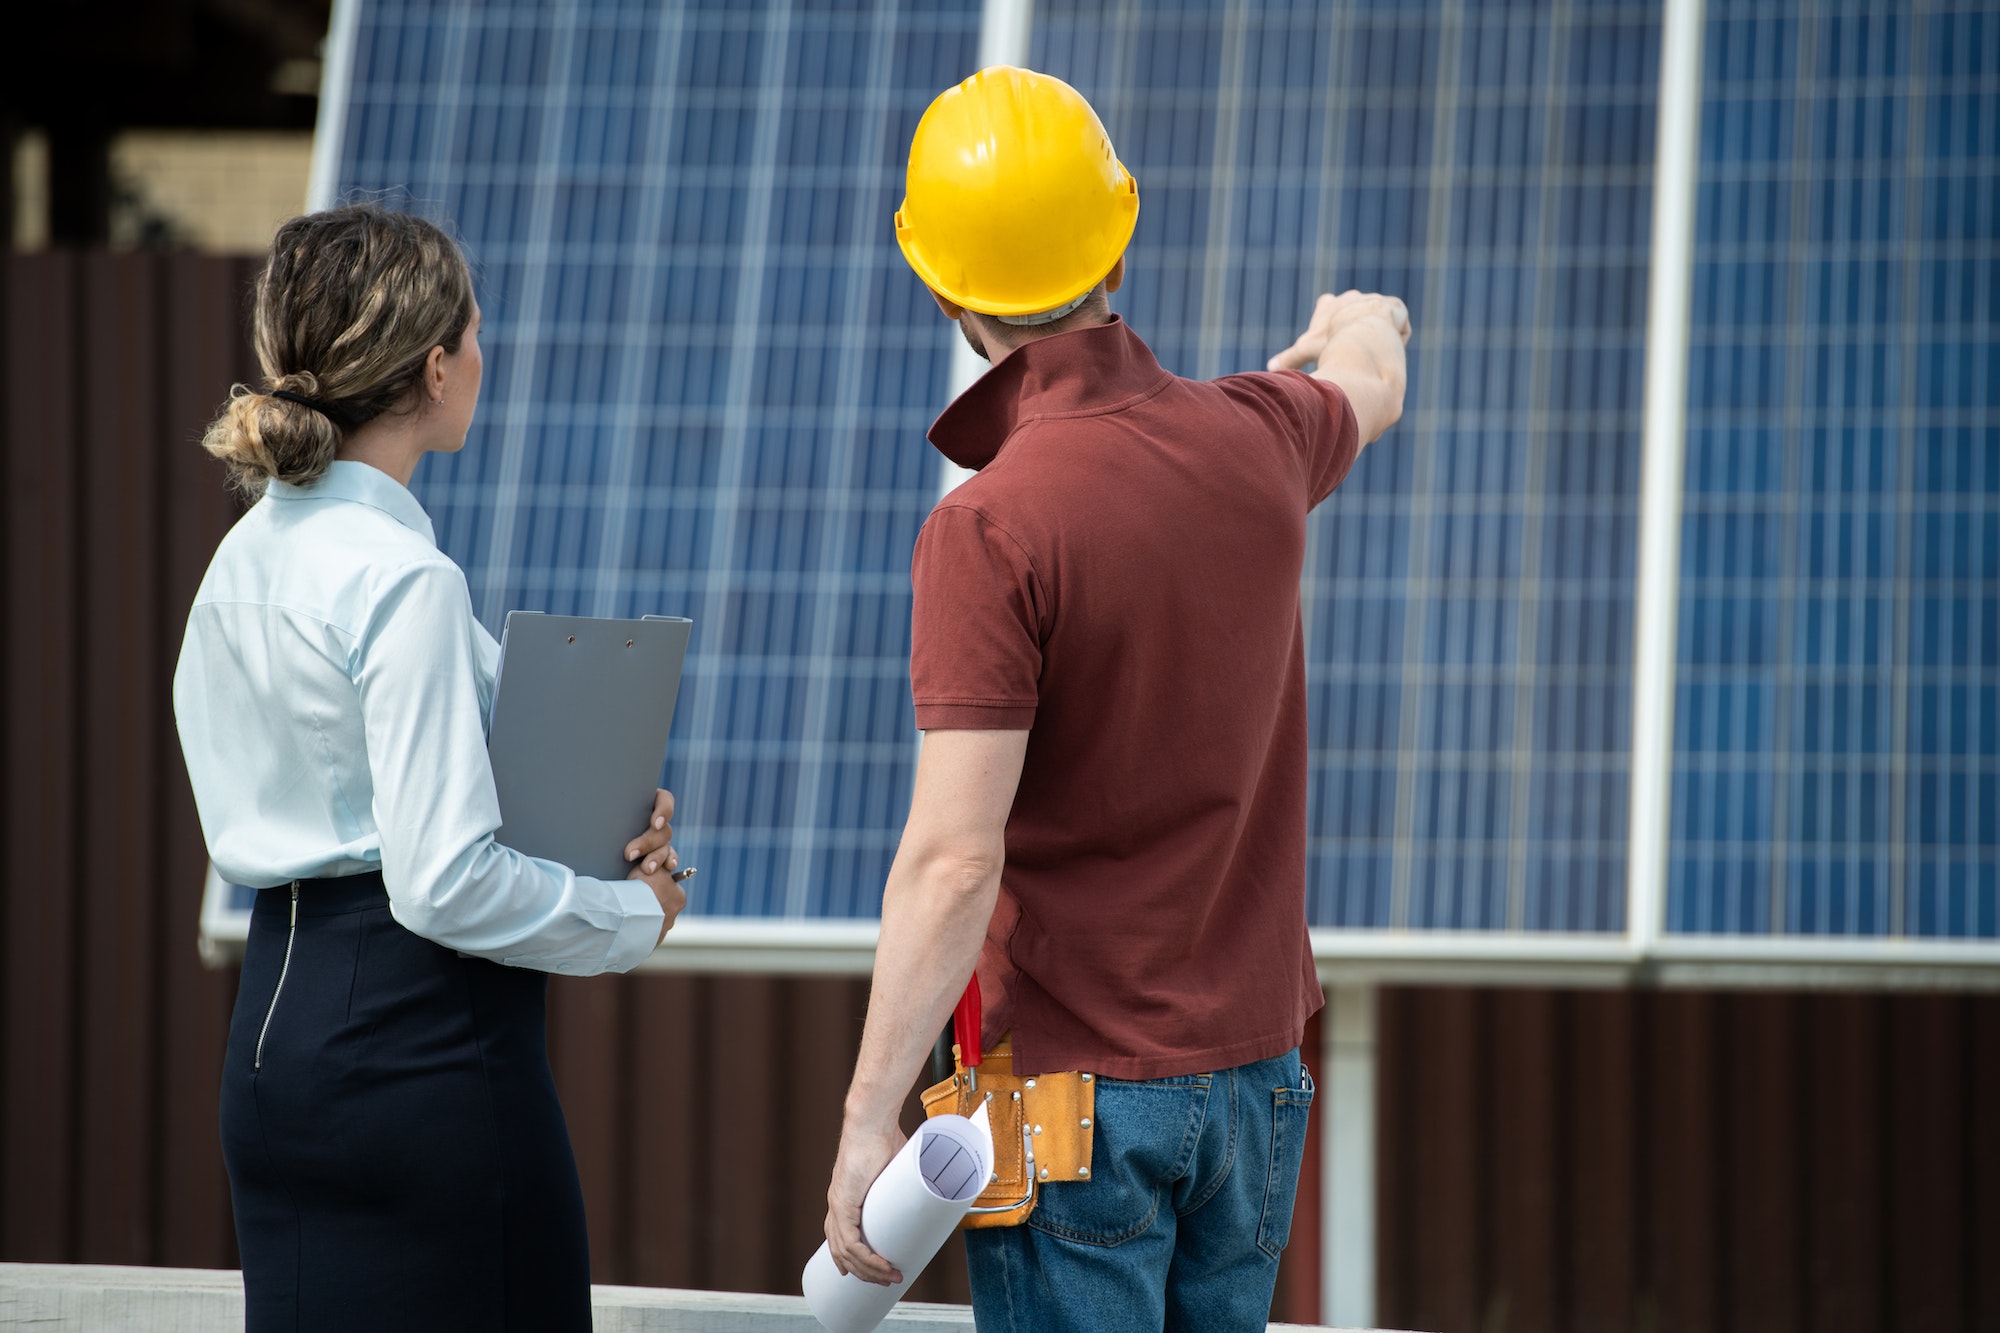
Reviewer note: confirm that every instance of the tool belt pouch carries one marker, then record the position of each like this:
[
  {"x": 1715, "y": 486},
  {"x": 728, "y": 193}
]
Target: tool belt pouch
[{"x": 1041, "y": 1130}]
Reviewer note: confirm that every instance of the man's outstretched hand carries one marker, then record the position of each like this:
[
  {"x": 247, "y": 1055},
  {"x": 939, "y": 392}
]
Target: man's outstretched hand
[
  {"x": 1356, "y": 340},
  {"x": 1334, "y": 317}
]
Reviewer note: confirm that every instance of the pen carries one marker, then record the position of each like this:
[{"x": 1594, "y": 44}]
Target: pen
[{"x": 680, "y": 875}]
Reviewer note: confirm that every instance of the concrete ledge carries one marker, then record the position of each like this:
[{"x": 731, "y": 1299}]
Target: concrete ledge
[
  {"x": 56, "y": 1298},
  {"x": 120, "y": 1300}
]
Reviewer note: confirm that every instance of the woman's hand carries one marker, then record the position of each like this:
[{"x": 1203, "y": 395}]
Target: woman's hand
[
  {"x": 657, "y": 835},
  {"x": 657, "y": 861}
]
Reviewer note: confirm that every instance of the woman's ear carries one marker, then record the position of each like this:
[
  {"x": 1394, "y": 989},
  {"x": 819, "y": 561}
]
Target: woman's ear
[{"x": 433, "y": 380}]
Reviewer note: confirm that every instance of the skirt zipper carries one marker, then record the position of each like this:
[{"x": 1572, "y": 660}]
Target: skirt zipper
[{"x": 290, "y": 935}]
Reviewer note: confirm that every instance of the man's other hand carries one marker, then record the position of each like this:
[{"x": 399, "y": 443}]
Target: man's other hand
[
  {"x": 1356, "y": 340},
  {"x": 864, "y": 1152}
]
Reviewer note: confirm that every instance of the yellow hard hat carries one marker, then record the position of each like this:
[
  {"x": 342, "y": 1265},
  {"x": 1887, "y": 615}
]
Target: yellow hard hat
[{"x": 1016, "y": 203}]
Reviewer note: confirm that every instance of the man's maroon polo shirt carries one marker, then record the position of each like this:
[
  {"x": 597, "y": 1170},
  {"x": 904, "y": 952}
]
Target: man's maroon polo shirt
[{"x": 1122, "y": 580}]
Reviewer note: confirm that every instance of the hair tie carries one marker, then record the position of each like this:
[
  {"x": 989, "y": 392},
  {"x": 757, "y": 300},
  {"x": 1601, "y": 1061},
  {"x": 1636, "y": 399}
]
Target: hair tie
[{"x": 303, "y": 401}]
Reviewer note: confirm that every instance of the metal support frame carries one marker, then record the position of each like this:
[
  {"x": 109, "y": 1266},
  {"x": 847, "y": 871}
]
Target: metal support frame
[
  {"x": 1005, "y": 29},
  {"x": 1656, "y": 595},
  {"x": 1349, "y": 958},
  {"x": 1347, "y": 1158},
  {"x": 330, "y": 124}
]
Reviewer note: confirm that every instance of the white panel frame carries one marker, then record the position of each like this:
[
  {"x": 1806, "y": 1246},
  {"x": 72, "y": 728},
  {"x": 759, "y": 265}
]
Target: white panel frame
[
  {"x": 1346, "y": 1110},
  {"x": 1005, "y": 29},
  {"x": 1349, "y": 957},
  {"x": 1656, "y": 595},
  {"x": 330, "y": 121}
]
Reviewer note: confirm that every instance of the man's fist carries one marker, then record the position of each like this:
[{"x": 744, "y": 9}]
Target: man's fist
[
  {"x": 1334, "y": 316},
  {"x": 1356, "y": 340}
]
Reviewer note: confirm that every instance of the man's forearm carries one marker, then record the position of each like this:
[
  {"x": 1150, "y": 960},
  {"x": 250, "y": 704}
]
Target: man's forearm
[
  {"x": 1366, "y": 360},
  {"x": 935, "y": 909}
]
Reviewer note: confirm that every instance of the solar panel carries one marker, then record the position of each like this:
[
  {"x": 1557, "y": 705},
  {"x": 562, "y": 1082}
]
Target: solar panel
[
  {"x": 1837, "y": 737},
  {"x": 707, "y": 379},
  {"x": 1468, "y": 588},
  {"x": 708, "y": 375}
]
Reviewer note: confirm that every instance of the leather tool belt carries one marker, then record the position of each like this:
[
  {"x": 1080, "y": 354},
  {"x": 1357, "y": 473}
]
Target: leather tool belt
[{"x": 1042, "y": 1125}]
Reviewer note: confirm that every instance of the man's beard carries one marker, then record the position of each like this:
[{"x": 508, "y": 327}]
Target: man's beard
[{"x": 978, "y": 348}]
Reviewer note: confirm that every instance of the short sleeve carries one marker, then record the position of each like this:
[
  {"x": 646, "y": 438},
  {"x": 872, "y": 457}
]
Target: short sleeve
[
  {"x": 1321, "y": 423},
  {"x": 977, "y": 623}
]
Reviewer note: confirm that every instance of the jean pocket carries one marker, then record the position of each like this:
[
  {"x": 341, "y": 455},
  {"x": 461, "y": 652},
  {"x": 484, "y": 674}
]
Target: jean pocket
[
  {"x": 1291, "y": 1111},
  {"x": 1139, "y": 1133}
]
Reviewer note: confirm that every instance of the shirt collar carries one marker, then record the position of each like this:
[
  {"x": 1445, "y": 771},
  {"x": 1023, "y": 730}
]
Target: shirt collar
[
  {"x": 1082, "y": 372},
  {"x": 363, "y": 484}
]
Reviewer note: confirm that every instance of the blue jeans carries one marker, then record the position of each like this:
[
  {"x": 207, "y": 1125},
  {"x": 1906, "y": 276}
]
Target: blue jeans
[{"x": 1180, "y": 1226}]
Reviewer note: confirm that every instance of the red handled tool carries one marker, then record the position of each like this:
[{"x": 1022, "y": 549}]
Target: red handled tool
[{"x": 965, "y": 1021}]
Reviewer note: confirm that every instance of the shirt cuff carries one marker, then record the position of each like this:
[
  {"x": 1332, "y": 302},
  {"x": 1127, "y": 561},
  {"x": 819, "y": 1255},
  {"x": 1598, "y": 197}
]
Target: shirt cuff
[
  {"x": 641, "y": 929},
  {"x": 961, "y": 716}
]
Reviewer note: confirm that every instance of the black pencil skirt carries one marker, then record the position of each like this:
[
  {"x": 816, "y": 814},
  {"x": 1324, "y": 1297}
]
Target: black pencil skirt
[{"x": 397, "y": 1156}]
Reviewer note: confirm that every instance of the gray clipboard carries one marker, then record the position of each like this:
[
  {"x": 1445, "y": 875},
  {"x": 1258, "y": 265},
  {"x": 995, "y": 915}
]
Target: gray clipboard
[{"x": 581, "y": 712}]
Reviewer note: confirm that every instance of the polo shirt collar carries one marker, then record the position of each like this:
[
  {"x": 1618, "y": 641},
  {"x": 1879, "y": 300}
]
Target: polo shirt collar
[
  {"x": 363, "y": 484},
  {"x": 1083, "y": 372}
]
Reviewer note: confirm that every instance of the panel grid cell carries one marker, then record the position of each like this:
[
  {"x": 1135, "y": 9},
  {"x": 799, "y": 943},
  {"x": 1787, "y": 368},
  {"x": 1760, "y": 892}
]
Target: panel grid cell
[
  {"x": 708, "y": 375},
  {"x": 1468, "y": 590},
  {"x": 1837, "y": 736}
]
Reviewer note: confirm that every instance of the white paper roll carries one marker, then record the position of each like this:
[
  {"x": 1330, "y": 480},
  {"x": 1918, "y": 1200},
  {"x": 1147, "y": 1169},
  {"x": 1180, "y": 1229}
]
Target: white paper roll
[{"x": 910, "y": 1209}]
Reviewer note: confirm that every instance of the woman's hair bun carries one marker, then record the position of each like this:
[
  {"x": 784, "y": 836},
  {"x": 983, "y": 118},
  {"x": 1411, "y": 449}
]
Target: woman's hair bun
[{"x": 260, "y": 436}]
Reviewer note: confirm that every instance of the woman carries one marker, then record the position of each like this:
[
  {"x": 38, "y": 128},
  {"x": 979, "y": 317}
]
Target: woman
[{"x": 397, "y": 1156}]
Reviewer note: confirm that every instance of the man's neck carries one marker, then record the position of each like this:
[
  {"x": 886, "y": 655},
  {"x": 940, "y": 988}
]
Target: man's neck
[{"x": 1003, "y": 340}]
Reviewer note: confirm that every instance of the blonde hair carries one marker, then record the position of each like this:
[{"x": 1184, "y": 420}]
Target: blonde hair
[{"x": 344, "y": 314}]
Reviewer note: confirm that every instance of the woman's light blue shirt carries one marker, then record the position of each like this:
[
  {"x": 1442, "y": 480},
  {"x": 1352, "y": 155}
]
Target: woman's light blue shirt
[{"x": 333, "y": 696}]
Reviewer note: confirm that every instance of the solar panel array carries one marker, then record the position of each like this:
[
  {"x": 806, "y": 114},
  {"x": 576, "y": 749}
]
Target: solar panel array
[
  {"x": 1837, "y": 747},
  {"x": 709, "y": 375}
]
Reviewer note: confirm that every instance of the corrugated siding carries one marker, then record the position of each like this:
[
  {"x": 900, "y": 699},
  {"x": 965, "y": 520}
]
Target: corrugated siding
[
  {"x": 1663, "y": 1161},
  {"x": 110, "y": 1027}
]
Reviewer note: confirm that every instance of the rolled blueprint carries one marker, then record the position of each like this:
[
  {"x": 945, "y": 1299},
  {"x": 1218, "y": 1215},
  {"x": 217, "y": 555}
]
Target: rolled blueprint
[{"x": 912, "y": 1206}]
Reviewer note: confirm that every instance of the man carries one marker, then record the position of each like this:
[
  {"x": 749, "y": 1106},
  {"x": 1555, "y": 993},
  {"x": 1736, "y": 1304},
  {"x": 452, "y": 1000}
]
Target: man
[{"x": 1108, "y": 664}]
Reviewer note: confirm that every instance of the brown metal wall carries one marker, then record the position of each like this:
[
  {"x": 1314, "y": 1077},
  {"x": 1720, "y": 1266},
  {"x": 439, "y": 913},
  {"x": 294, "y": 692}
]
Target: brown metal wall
[
  {"x": 107, "y": 1035},
  {"x": 1666, "y": 1161},
  {"x": 1549, "y": 1160}
]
